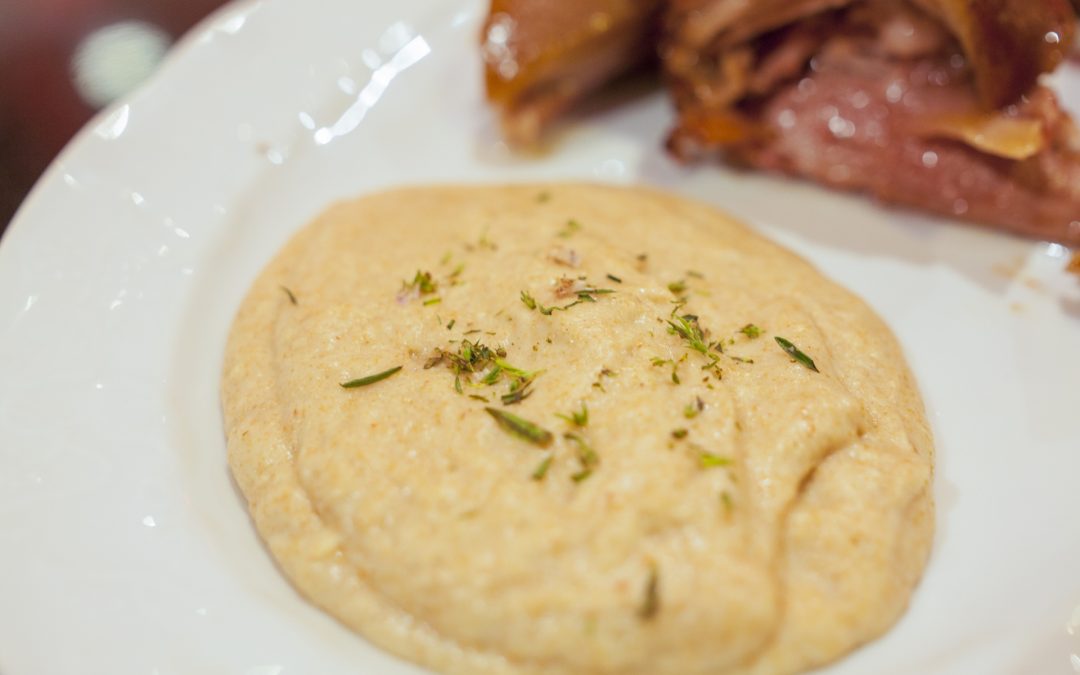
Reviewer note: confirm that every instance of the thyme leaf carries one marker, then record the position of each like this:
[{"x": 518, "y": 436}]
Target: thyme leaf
[
  {"x": 577, "y": 418},
  {"x": 796, "y": 354},
  {"x": 572, "y": 227},
  {"x": 751, "y": 331},
  {"x": 650, "y": 603},
  {"x": 370, "y": 379},
  {"x": 708, "y": 460},
  {"x": 520, "y": 427},
  {"x": 542, "y": 468}
]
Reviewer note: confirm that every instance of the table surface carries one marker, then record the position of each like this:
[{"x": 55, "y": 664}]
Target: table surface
[{"x": 42, "y": 104}]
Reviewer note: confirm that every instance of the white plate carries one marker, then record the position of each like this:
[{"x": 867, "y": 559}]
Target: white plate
[{"x": 125, "y": 549}]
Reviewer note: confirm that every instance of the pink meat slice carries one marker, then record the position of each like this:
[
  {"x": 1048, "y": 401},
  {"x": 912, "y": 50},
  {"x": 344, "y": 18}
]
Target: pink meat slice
[{"x": 853, "y": 125}]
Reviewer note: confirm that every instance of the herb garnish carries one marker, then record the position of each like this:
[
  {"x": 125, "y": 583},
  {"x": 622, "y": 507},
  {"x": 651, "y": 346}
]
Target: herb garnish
[
  {"x": 751, "y": 331},
  {"x": 542, "y": 468},
  {"x": 520, "y": 427},
  {"x": 604, "y": 372},
  {"x": 586, "y": 455},
  {"x": 650, "y": 604},
  {"x": 692, "y": 409},
  {"x": 687, "y": 327},
  {"x": 370, "y": 379},
  {"x": 584, "y": 294},
  {"x": 577, "y": 418},
  {"x": 657, "y": 361},
  {"x": 796, "y": 354},
  {"x": 572, "y": 226},
  {"x": 614, "y": 278},
  {"x": 476, "y": 360},
  {"x": 422, "y": 283},
  {"x": 708, "y": 460},
  {"x": 292, "y": 298},
  {"x": 432, "y": 301},
  {"x": 677, "y": 287},
  {"x": 519, "y": 391},
  {"x": 680, "y": 433},
  {"x": 695, "y": 274},
  {"x": 450, "y": 325}
]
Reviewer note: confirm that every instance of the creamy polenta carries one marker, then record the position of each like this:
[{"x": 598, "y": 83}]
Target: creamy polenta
[{"x": 572, "y": 429}]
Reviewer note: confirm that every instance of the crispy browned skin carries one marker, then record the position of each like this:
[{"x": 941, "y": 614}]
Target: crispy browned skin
[{"x": 542, "y": 56}]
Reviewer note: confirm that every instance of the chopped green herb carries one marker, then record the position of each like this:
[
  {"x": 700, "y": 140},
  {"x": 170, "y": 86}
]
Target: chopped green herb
[
  {"x": 457, "y": 385},
  {"x": 292, "y": 298},
  {"x": 450, "y": 325},
  {"x": 614, "y": 278},
  {"x": 687, "y": 327},
  {"x": 796, "y": 354},
  {"x": 572, "y": 226},
  {"x": 577, "y": 418},
  {"x": 583, "y": 295},
  {"x": 520, "y": 427},
  {"x": 445, "y": 258},
  {"x": 478, "y": 397},
  {"x": 677, "y": 287},
  {"x": 432, "y": 301},
  {"x": 370, "y": 379},
  {"x": 739, "y": 359},
  {"x": 725, "y": 499},
  {"x": 692, "y": 409},
  {"x": 586, "y": 455},
  {"x": 679, "y": 433},
  {"x": 708, "y": 460},
  {"x": 422, "y": 284},
  {"x": 650, "y": 604},
  {"x": 473, "y": 331},
  {"x": 657, "y": 361},
  {"x": 519, "y": 391},
  {"x": 695, "y": 274},
  {"x": 542, "y": 468},
  {"x": 751, "y": 331},
  {"x": 517, "y": 372}
]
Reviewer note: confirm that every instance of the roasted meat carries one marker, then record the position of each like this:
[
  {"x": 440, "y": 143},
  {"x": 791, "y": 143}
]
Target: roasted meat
[
  {"x": 933, "y": 104},
  {"x": 542, "y": 56},
  {"x": 881, "y": 96}
]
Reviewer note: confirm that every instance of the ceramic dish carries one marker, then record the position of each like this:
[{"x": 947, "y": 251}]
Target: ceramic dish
[{"x": 124, "y": 546}]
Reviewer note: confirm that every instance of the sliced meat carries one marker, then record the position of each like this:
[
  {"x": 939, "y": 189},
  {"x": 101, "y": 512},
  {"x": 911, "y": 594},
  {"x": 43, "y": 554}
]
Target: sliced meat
[
  {"x": 541, "y": 57},
  {"x": 880, "y": 97},
  {"x": 863, "y": 131}
]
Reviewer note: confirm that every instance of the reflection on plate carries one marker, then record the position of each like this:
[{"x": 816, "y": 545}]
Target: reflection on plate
[{"x": 119, "y": 277}]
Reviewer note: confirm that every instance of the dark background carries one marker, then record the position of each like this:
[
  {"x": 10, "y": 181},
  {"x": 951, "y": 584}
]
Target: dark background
[{"x": 41, "y": 104}]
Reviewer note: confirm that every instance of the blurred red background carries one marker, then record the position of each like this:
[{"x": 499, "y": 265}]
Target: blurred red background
[{"x": 42, "y": 103}]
